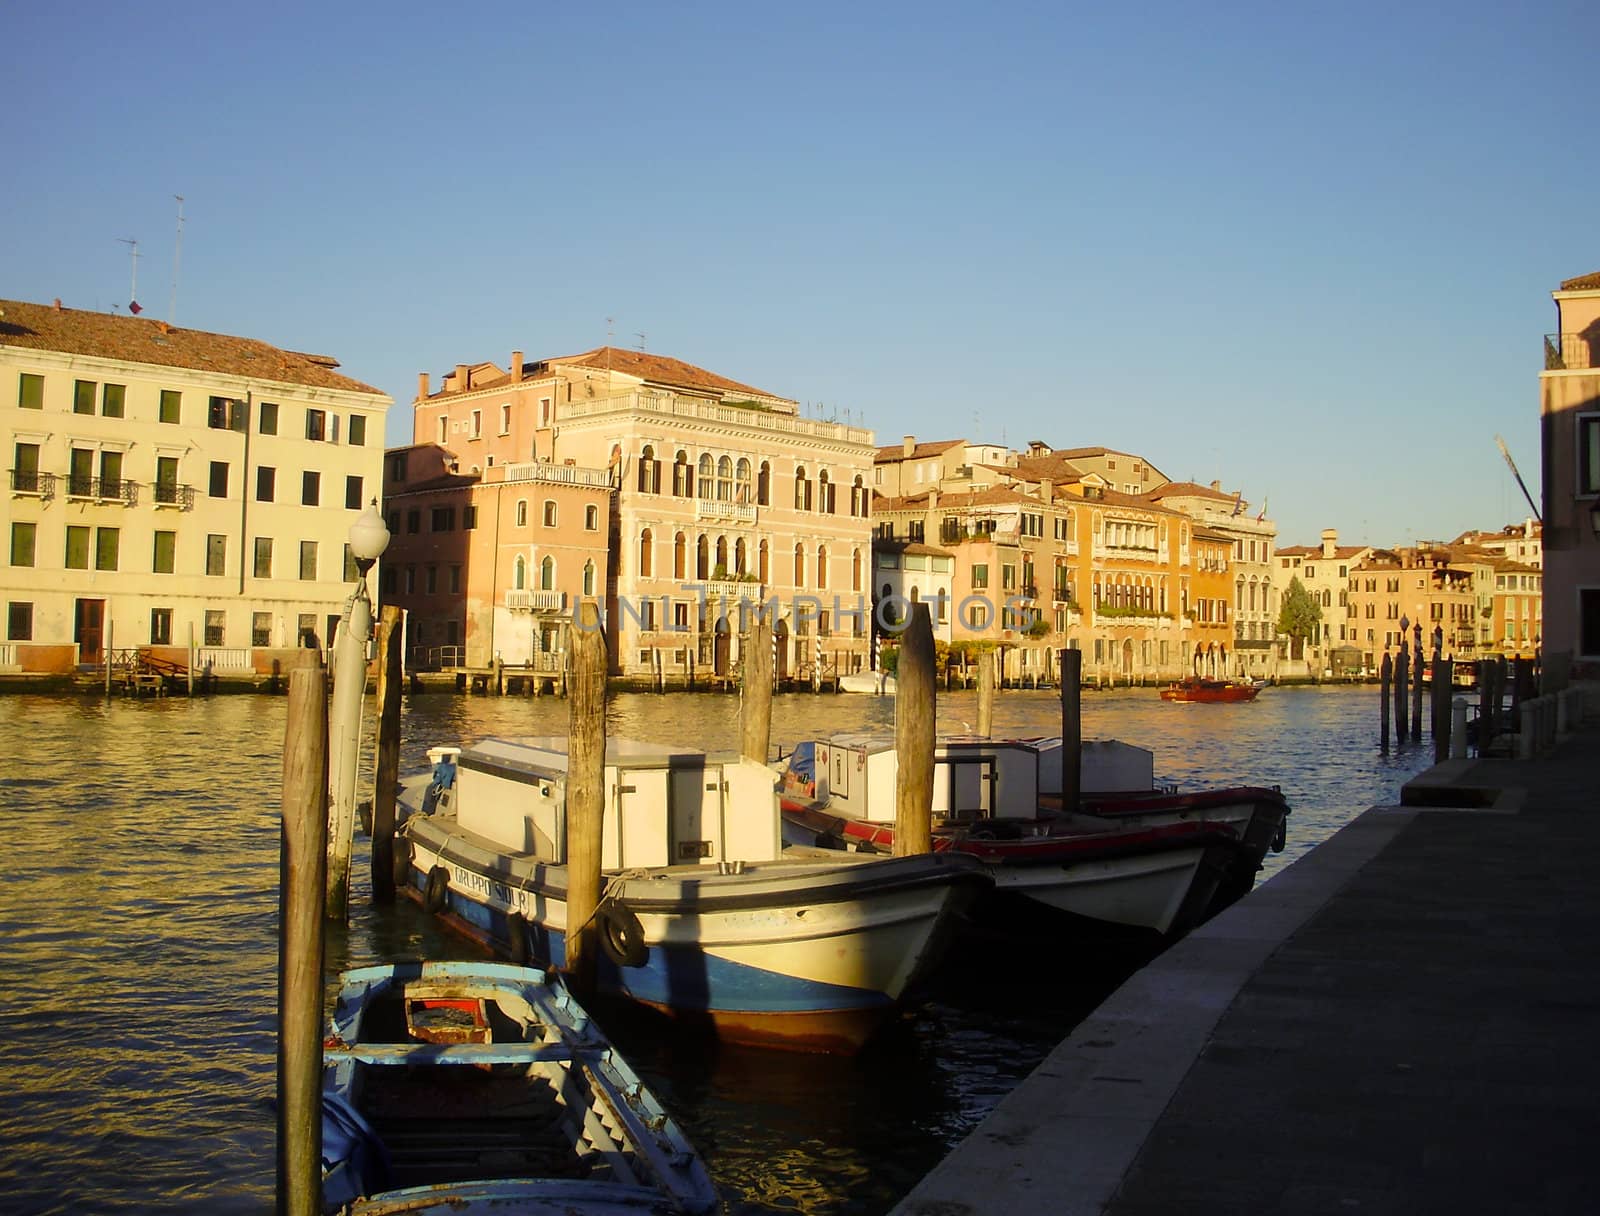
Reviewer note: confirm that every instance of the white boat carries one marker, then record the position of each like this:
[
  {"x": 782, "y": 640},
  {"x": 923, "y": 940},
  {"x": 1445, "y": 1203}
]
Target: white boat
[
  {"x": 459, "y": 1087},
  {"x": 878, "y": 682},
  {"x": 704, "y": 914},
  {"x": 1132, "y": 854}
]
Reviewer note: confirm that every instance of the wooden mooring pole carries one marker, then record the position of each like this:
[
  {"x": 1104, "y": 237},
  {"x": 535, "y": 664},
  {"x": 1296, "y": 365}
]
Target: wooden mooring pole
[
  {"x": 1071, "y": 728},
  {"x": 985, "y": 693},
  {"x": 1416, "y": 694},
  {"x": 1385, "y": 677},
  {"x": 1485, "y": 705},
  {"x": 915, "y": 711},
  {"x": 755, "y": 706},
  {"x": 1402, "y": 690},
  {"x": 386, "y": 770},
  {"x": 302, "y": 866},
  {"x": 586, "y": 774}
]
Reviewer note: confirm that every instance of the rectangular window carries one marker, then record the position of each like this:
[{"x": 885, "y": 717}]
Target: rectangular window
[
  {"x": 83, "y": 396},
  {"x": 30, "y": 391},
  {"x": 19, "y": 622},
  {"x": 164, "y": 558},
  {"x": 269, "y": 417},
  {"x": 112, "y": 399},
  {"x": 77, "y": 547},
  {"x": 443, "y": 519},
  {"x": 263, "y": 566},
  {"x": 261, "y": 629},
  {"x": 352, "y": 493},
  {"x": 25, "y": 468},
  {"x": 432, "y": 580},
  {"x": 980, "y": 575},
  {"x": 477, "y": 425},
  {"x": 358, "y": 431},
  {"x": 308, "y": 560},
  {"x": 351, "y": 573},
  {"x": 224, "y": 413},
  {"x": 316, "y": 425},
  {"x": 216, "y": 554},
  {"x": 469, "y": 518},
  {"x": 161, "y": 626},
  {"x": 167, "y": 479},
  {"x": 80, "y": 472},
  {"x": 219, "y": 479},
  {"x": 22, "y": 541},
  {"x": 307, "y": 629},
  {"x": 266, "y": 483},
  {"x": 171, "y": 405},
  {"x": 214, "y": 634},
  {"x": 110, "y": 474},
  {"x": 1589, "y": 455},
  {"x": 310, "y": 488},
  {"x": 413, "y": 520},
  {"x": 455, "y": 580},
  {"x": 106, "y": 543}
]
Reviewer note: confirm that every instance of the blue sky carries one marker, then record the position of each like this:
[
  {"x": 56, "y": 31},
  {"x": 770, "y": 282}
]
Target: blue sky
[{"x": 1307, "y": 251}]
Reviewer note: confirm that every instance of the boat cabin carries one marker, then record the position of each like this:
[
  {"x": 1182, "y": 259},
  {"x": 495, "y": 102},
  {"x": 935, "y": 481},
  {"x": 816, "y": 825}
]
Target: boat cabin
[
  {"x": 663, "y": 806},
  {"x": 973, "y": 777}
]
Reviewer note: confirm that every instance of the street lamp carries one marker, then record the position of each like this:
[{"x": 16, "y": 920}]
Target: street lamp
[{"x": 368, "y": 539}]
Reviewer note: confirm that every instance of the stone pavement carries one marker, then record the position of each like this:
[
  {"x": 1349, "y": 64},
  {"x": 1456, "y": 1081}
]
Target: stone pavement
[{"x": 1403, "y": 1021}]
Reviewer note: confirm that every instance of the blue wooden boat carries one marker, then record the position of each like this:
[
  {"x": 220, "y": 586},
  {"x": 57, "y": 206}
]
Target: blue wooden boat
[
  {"x": 467, "y": 1087},
  {"x": 705, "y": 916}
]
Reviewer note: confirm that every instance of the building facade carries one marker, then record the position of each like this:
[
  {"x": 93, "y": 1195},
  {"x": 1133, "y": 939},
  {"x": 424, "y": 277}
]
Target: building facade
[
  {"x": 1324, "y": 571},
  {"x": 1569, "y": 409},
  {"x": 724, "y": 497},
  {"x": 172, "y": 488}
]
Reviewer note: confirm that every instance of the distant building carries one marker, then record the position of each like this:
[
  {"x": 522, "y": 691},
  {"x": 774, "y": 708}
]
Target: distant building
[
  {"x": 168, "y": 484},
  {"x": 1324, "y": 571},
  {"x": 1569, "y": 405}
]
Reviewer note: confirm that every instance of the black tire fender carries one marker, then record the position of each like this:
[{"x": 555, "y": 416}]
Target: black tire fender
[
  {"x": 517, "y": 938},
  {"x": 621, "y": 935},
  {"x": 435, "y": 894},
  {"x": 400, "y": 868}
]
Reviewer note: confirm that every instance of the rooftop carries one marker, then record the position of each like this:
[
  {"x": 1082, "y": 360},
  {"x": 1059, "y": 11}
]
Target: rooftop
[{"x": 76, "y": 331}]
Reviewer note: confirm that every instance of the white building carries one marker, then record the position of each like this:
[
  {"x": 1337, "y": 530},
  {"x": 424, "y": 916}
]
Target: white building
[{"x": 169, "y": 485}]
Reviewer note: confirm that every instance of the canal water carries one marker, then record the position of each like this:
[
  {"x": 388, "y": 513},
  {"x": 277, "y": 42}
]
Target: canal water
[{"x": 138, "y": 915}]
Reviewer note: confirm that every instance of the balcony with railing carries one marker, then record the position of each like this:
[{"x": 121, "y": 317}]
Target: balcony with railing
[
  {"x": 712, "y": 411},
  {"x": 31, "y": 481},
  {"x": 731, "y": 589},
  {"x": 718, "y": 509},
  {"x": 528, "y": 600},
  {"x": 558, "y": 474},
  {"x": 1572, "y": 352},
  {"x": 168, "y": 494},
  {"x": 103, "y": 489}
]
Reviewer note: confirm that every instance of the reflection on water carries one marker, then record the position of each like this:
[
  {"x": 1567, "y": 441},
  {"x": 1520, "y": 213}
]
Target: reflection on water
[{"x": 138, "y": 917}]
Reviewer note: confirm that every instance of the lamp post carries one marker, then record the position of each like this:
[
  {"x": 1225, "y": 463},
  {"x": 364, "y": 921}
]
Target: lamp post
[{"x": 368, "y": 539}]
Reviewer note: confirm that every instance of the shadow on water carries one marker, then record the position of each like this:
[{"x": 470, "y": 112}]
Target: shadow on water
[{"x": 138, "y": 937}]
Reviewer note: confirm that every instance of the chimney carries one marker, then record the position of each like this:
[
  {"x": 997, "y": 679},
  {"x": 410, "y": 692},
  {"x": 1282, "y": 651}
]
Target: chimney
[
  {"x": 422, "y": 385},
  {"x": 461, "y": 378},
  {"x": 165, "y": 328},
  {"x": 58, "y": 303},
  {"x": 907, "y": 445},
  {"x": 1047, "y": 491},
  {"x": 516, "y": 367},
  {"x": 933, "y": 498},
  {"x": 1330, "y": 541},
  {"x": 1216, "y": 484}
]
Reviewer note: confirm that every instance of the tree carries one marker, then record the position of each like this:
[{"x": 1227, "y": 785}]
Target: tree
[{"x": 1301, "y": 615}]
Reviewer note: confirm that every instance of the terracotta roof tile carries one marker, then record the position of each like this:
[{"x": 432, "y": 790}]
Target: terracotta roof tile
[
  {"x": 1190, "y": 489},
  {"x": 1584, "y": 282},
  {"x": 889, "y": 453},
  {"x": 658, "y": 369},
  {"x": 75, "y": 331}
]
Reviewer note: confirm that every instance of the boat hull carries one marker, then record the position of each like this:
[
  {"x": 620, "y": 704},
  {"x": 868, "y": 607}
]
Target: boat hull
[
  {"x": 1209, "y": 691},
  {"x": 804, "y": 954}
]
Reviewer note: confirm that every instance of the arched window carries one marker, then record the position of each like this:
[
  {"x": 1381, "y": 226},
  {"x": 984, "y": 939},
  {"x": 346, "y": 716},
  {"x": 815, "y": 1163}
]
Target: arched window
[
  {"x": 855, "y": 568},
  {"x": 649, "y": 471},
  {"x": 646, "y": 557},
  {"x": 822, "y": 565},
  {"x": 722, "y": 559},
  {"x": 519, "y": 573},
  {"x": 725, "y": 479},
  {"x": 764, "y": 485},
  {"x": 799, "y": 565},
  {"x": 708, "y": 481},
  {"x": 588, "y": 577},
  {"x": 741, "y": 476},
  {"x": 682, "y": 475},
  {"x": 802, "y": 489},
  {"x": 547, "y": 574},
  {"x": 680, "y": 557},
  {"x": 549, "y": 512},
  {"x": 740, "y": 558},
  {"x": 858, "y": 497},
  {"x": 591, "y": 518},
  {"x": 761, "y": 562},
  {"x": 522, "y": 512},
  {"x": 824, "y": 493},
  {"x": 702, "y": 558}
]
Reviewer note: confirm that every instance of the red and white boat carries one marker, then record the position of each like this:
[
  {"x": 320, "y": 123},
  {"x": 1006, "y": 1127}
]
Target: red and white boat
[
  {"x": 1131, "y": 855},
  {"x": 1197, "y": 688}
]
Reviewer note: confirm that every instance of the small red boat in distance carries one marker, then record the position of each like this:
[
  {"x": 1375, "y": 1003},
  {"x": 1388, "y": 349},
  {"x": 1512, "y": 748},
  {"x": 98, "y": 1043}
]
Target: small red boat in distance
[{"x": 1195, "y": 688}]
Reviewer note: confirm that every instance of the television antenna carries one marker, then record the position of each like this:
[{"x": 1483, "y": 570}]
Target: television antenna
[
  {"x": 177, "y": 255},
  {"x": 133, "y": 287}
]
